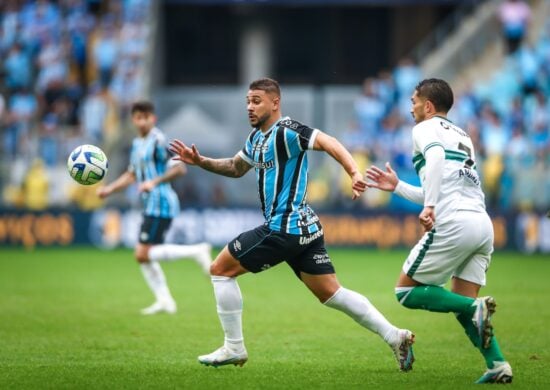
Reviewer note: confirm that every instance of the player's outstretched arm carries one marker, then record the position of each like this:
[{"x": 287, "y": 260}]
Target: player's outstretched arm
[
  {"x": 120, "y": 183},
  {"x": 389, "y": 181},
  {"x": 230, "y": 167},
  {"x": 334, "y": 148},
  {"x": 189, "y": 155},
  {"x": 385, "y": 181},
  {"x": 176, "y": 169}
]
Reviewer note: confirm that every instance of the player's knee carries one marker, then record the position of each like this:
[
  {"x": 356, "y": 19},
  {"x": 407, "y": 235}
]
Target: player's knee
[
  {"x": 210, "y": 269},
  {"x": 217, "y": 268},
  {"x": 141, "y": 256},
  {"x": 401, "y": 295}
]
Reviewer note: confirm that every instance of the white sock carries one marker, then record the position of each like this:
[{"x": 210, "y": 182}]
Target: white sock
[
  {"x": 230, "y": 308},
  {"x": 174, "y": 252},
  {"x": 154, "y": 276},
  {"x": 361, "y": 310}
]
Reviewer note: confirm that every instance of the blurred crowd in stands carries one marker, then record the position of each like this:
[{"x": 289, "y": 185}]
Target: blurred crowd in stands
[
  {"x": 71, "y": 68},
  {"x": 69, "y": 71},
  {"x": 507, "y": 116}
]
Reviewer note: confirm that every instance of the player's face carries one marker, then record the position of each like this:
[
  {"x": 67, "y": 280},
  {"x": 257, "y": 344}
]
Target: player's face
[
  {"x": 143, "y": 121},
  {"x": 418, "y": 107},
  {"x": 261, "y": 107}
]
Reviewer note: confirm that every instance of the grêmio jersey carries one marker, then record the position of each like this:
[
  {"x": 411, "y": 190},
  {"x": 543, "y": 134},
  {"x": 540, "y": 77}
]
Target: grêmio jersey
[
  {"x": 460, "y": 185},
  {"x": 280, "y": 161},
  {"x": 149, "y": 158}
]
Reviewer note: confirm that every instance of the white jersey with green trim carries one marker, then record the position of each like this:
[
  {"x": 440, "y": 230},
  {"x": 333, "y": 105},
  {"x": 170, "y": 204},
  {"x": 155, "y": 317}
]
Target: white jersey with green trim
[{"x": 460, "y": 185}]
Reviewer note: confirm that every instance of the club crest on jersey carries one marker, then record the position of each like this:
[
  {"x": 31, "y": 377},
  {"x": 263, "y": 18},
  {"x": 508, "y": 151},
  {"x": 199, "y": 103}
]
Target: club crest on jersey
[{"x": 260, "y": 147}]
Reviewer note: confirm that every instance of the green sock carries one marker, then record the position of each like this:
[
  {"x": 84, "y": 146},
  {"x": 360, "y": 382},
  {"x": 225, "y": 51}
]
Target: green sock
[
  {"x": 491, "y": 354},
  {"x": 435, "y": 298}
]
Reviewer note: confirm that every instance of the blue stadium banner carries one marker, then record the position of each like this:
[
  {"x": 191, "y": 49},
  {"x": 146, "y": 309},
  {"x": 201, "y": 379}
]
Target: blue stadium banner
[{"x": 110, "y": 228}]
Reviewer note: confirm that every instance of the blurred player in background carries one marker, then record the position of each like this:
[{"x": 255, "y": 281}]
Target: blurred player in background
[
  {"x": 151, "y": 167},
  {"x": 276, "y": 148},
  {"x": 458, "y": 242}
]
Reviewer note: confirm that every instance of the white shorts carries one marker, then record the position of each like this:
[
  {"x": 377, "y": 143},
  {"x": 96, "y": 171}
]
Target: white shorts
[{"x": 461, "y": 247}]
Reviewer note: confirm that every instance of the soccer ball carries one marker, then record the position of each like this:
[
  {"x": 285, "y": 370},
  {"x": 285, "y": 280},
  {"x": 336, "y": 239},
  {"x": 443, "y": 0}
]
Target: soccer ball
[{"x": 87, "y": 164}]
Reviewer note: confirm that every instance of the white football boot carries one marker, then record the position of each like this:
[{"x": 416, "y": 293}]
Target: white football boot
[
  {"x": 403, "y": 350},
  {"x": 204, "y": 258},
  {"x": 500, "y": 373},
  {"x": 485, "y": 308},
  {"x": 223, "y": 356},
  {"x": 160, "y": 307}
]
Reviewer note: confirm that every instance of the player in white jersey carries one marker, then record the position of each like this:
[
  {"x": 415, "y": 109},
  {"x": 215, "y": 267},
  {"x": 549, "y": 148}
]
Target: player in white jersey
[
  {"x": 458, "y": 242},
  {"x": 151, "y": 167}
]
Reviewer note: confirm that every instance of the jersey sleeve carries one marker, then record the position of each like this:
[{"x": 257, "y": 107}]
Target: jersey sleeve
[
  {"x": 131, "y": 164},
  {"x": 425, "y": 136},
  {"x": 161, "y": 150},
  {"x": 298, "y": 137},
  {"x": 246, "y": 152}
]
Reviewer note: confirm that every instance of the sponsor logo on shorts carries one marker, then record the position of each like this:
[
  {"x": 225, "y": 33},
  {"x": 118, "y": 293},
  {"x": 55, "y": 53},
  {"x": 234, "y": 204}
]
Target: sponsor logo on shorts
[
  {"x": 304, "y": 240},
  {"x": 321, "y": 259},
  {"x": 237, "y": 245},
  {"x": 144, "y": 236}
]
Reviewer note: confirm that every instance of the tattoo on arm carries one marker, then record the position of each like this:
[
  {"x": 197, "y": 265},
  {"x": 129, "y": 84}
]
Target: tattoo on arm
[{"x": 230, "y": 167}]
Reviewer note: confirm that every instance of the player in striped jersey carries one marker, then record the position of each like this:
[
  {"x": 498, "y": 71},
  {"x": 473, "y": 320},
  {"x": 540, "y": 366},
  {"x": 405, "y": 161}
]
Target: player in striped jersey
[
  {"x": 276, "y": 149},
  {"x": 458, "y": 242},
  {"x": 151, "y": 167}
]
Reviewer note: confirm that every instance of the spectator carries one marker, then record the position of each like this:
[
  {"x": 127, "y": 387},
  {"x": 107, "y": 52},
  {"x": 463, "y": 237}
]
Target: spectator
[
  {"x": 2, "y": 107},
  {"x": 369, "y": 109},
  {"x": 36, "y": 186},
  {"x": 407, "y": 74},
  {"x": 514, "y": 16},
  {"x": 105, "y": 55},
  {"x": 18, "y": 68},
  {"x": 93, "y": 115},
  {"x": 22, "y": 107}
]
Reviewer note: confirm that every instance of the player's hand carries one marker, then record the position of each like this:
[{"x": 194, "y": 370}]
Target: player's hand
[
  {"x": 189, "y": 155},
  {"x": 103, "y": 192},
  {"x": 358, "y": 185},
  {"x": 427, "y": 218},
  {"x": 386, "y": 181},
  {"x": 146, "y": 186}
]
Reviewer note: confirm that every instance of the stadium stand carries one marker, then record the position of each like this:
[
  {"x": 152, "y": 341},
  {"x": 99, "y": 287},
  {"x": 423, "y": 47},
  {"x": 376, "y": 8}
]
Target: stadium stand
[{"x": 71, "y": 68}]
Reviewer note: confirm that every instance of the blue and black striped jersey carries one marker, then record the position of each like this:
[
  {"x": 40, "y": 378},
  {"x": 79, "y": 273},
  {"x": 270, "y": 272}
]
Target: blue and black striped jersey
[
  {"x": 280, "y": 160},
  {"x": 148, "y": 159}
]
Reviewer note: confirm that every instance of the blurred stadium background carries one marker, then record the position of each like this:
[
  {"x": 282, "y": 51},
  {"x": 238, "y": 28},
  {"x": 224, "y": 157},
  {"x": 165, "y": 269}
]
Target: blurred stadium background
[{"x": 71, "y": 68}]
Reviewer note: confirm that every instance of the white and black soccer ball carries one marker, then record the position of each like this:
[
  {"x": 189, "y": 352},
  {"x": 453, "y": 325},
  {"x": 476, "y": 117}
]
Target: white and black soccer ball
[{"x": 87, "y": 164}]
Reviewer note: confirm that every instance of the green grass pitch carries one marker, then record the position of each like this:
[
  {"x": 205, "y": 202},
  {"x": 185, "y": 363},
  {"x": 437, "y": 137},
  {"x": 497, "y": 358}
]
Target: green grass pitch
[{"x": 69, "y": 319}]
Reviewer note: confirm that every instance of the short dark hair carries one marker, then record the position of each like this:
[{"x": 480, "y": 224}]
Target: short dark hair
[
  {"x": 144, "y": 106},
  {"x": 438, "y": 92},
  {"x": 267, "y": 85}
]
